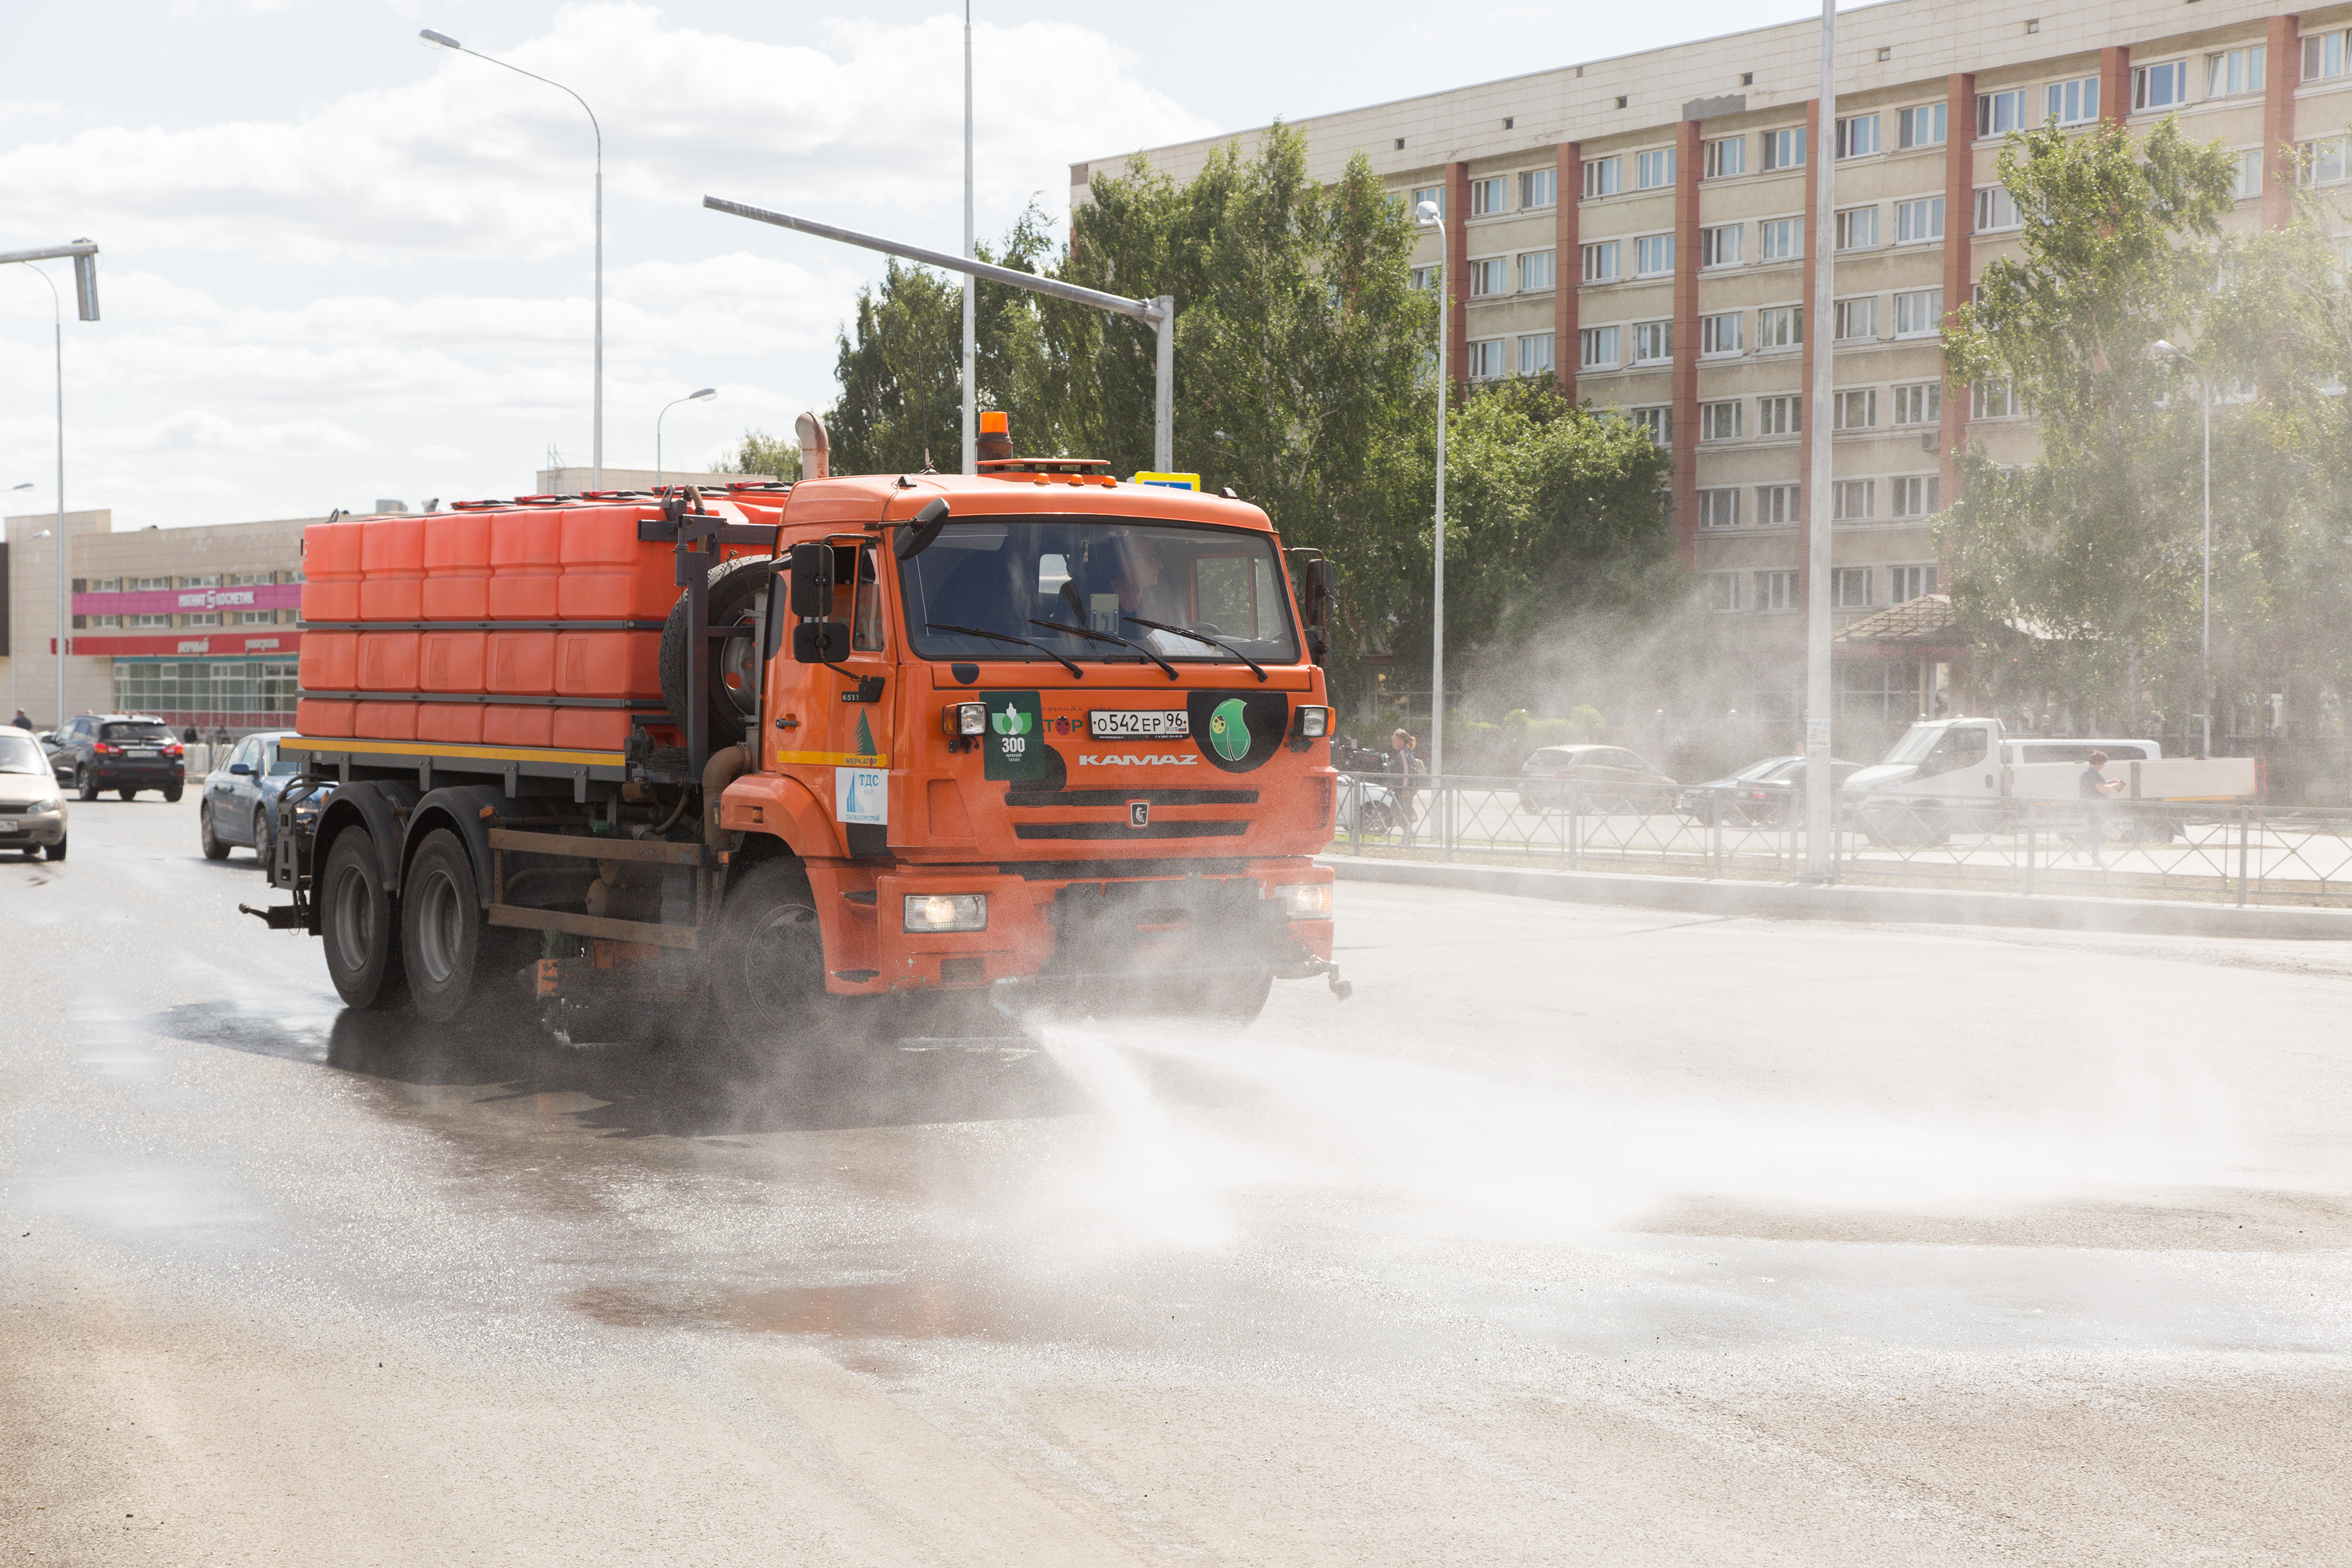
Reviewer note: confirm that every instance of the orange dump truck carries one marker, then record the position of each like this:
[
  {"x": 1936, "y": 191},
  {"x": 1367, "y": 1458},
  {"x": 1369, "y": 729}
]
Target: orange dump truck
[{"x": 799, "y": 752}]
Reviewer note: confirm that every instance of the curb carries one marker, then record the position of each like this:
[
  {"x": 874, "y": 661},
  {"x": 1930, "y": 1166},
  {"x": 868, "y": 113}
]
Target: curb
[{"x": 1796, "y": 902}]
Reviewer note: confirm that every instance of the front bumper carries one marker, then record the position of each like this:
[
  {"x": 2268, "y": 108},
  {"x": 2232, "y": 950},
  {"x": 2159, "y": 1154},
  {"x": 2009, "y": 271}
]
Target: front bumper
[
  {"x": 1074, "y": 931},
  {"x": 18, "y": 829}
]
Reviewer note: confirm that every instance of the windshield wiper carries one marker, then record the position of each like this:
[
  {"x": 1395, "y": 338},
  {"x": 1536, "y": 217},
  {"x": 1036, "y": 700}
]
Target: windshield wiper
[
  {"x": 1196, "y": 637},
  {"x": 1106, "y": 637},
  {"x": 1005, "y": 637}
]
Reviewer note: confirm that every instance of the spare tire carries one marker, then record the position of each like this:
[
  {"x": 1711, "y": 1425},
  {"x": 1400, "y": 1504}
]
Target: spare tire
[{"x": 734, "y": 591}]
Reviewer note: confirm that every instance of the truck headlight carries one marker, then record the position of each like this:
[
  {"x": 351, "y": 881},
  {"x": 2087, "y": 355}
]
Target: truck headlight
[
  {"x": 1314, "y": 723},
  {"x": 960, "y": 718},
  {"x": 1302, "y": 901},
  {"x": 927, "y": 912}
]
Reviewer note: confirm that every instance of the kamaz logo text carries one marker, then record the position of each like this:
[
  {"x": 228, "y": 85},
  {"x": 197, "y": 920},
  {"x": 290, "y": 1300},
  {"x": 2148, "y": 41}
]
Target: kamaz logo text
[{"x": 1164, "y": 759}]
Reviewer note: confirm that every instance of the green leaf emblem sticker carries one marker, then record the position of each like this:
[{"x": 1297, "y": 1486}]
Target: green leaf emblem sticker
[
  {"x": 1229, "y": 730},
  {"x": 1011, "y": 722}
]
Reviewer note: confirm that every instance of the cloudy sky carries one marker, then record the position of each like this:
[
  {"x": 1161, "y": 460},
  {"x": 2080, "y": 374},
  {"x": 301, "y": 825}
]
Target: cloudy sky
[{"x": 341, "y": 265}]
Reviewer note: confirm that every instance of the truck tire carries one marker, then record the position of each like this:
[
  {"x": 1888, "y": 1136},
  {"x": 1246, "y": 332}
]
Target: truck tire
[
  {"x": 733, "y": 587},
  {"x": 767, "y": 969},
  {"x": 453, "y": 959},
  {"x": 360, "y": 925}
]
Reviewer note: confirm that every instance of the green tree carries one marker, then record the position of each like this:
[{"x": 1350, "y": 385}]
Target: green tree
[{"x": 760, "y": 453}]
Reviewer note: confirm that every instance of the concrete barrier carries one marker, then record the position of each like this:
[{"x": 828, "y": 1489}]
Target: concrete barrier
[{"x": 1921, "y": 906}]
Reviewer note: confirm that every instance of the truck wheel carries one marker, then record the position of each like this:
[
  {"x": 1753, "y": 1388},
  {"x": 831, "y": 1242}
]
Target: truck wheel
[
  {"x": 734, "y": 585},
  {"x": 767, "y": 969},
  {"x": 445, "y": 945},
  {"x": 357, "y": 920},
  {"x": 212, "y": 848}
]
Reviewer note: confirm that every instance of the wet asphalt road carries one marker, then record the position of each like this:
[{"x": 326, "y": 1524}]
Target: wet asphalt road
[{"x": 1579, "y": 1236}]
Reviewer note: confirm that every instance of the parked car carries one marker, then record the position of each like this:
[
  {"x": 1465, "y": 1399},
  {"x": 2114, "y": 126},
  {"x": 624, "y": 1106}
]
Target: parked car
[
  {"x": 1761, "y": 793},
  {"x": 240, "y": 802},
  {"x": 125, "y": 753},
  {"x": 1595, "y": 778},
  {"x": 32, "y": 806}
]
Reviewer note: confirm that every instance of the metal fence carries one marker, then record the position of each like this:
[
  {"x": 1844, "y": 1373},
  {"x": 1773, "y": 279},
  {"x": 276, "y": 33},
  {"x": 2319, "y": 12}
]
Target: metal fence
[{"x": 2219, "y": 852}]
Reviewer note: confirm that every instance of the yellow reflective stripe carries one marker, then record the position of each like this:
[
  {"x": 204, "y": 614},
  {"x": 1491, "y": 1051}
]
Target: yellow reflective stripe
[
  {"x": 437, "y": 749},
  {"x": 833, "y": 759}
]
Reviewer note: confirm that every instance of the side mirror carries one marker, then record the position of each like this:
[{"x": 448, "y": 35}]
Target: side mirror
[
  {"x": 243, "y": 769},
  {"x": 1315, "y": 603},
  {"x": 821, "y": 642},
  {"x": 812, "y": 570}
]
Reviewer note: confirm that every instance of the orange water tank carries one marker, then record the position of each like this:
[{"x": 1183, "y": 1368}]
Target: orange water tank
[
  {"x": 525, "y": 563},
  {"x": 590, "y": 729},
  {"x": 608, "y": 664},
  {"x": 609, "y": 574},
  {"x": 392, "y": 566},
  {"x": 519, "y": 663},
  {"x": 323, "y": 716},
  {"x": 331, "y": 660},
  {"x": 331, "y": 571},
  {"x": 387, "y": 662},
  {"x": 384, "y": 720},
  {"x": 512, "y": 724},
  {"x": 457, "y": 566},
  {"x": 450, "y": 662},
  {"x": 459, "y": 723}
]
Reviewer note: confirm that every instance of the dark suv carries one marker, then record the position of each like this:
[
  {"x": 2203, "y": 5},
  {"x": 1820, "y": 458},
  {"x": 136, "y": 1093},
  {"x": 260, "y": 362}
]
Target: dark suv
[{"x": 123, "y": 752}]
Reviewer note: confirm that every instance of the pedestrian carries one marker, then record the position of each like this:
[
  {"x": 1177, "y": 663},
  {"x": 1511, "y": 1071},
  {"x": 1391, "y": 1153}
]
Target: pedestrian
[
  {"x": 188, "y": 736},
  {"x": 2094, "y": 786},
  {"x": 1403, "y": 758},
  {"x": 20, "y": 721}
]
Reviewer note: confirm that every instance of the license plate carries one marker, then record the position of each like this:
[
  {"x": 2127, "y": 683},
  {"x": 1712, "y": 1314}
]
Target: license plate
[
  {"x": 12, "y": 828},
  {"x": 1148, "y": 724},
  {"x": 139, "y": 754}
]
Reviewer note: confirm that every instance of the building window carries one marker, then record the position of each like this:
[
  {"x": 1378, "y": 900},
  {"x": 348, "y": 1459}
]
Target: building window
[
  {"x": 1601, "y": 262},
  {"x": 1719, "y": 247},
  {"x": 1483, "y": 360},
  {"x": 1857, "y": 229},
  {"x": 104, "y": 585},
  {"x": 2249, "y": 174},
  {"x": 1999, "y": 113},
  {"x": 1719, "y": 334},
  {"x": 98, "y": 623},
  {"x": 1719, "y": 509},
  {"x": 1857, "y": 318},
  {"x": 1487, "y": 198},
  {"x": 1780, "y": 239},
  {"x": 1920, "y": 126},
  {"x": 1603, "y": 177},
  {"x": 2324, "y": 55},
  {"x": 1433, "y": 194},
  {"x": 1721, "y": 591},
  {"x": 1658, "y": 424},
  {"x": 251, "y": 579},
  {"x": 1779, "y": 327},
  {"x": 1918, "y": 313},
  {"x": 1905, "y": 584},
  {"x": 2323, "y": 161},
  {"x": 1535, "y": 354},
  {"x": 201, "y": 618},
  {"x": 1539, "y": 188},
  {"x": 1654, "y": 255},
  {"x": 256, "y": 618},
  {"x": 149, "y": 623},
  {"x": 1488, "y": 278},
  {"x": 1776, "y": 506},
  {"x": 2239, "y": 71},
  {"x": 1914, "y": 496},
  {"x": 1856, "y": 410},
  {"x": 1534, "y": 270},
  {"x": 1425, "y": 279},
  {"x": 1654, "y": 343},
  {"x": 1780, "y": 415},
  {"x": 2072, "y": 102},
  {"x": 1992, "y": 400},
  {"x": 1855, "y": 498},
  {"x": 1775, "y": 591},
  {"x": 1596, "y": 348},
  {"x": 1919, "y": 221},
  {"x": 1849, "y": 587},
  {"x": 2160, "y": 87},
  {"x": 1921, "y": 403},
  {"x": 1655, "y": 169},
  {"x": 1996, "y": 210},
  {"x": 1857, "y": 137},
  {"x": 1727, "y": 157},
  {"x": 149, "y": 584},
  {"x": 1784, "y": 149},
  {"x": 1718, "y": 422},
  {"x": 210, "y": 580}
]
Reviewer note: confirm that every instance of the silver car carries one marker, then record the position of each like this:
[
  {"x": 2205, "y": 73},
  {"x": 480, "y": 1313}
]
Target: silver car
[{"x": 32, "y": 807}]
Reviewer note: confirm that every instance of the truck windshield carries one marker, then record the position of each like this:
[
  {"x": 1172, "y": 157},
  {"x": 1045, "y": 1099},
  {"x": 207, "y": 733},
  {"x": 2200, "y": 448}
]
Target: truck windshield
[
  {"x": 1916, "y": 744},
  {"x": 1105, "y": 576}
]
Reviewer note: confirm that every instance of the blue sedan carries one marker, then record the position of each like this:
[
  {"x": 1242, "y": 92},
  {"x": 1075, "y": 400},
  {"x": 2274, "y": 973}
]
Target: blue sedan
[{"x": 240, "y": 806}]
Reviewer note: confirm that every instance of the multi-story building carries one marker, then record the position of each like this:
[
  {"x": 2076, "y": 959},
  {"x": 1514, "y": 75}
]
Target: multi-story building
[{"x": 1643, "y": 229}]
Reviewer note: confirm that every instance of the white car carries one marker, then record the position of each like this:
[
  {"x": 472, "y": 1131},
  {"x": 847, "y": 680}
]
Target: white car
[{"x": 32, "y": 807}]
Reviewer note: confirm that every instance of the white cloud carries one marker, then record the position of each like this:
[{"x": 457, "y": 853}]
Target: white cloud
[{"x": 471, "y": 160}]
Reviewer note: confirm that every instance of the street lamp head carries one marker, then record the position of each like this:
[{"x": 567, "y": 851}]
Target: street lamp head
[
  {"x": 2161, "y": 348},
  {"x": 438, "y": 40},
  {"x": 706, "y": 394},
  {"x": 25, "y": 486},
  {"x": 1426, "y": 214}
]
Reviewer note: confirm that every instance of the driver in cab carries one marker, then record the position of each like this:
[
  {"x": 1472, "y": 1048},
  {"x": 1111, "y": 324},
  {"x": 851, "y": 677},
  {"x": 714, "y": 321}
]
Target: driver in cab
[{"x": 1137, "y": 577}]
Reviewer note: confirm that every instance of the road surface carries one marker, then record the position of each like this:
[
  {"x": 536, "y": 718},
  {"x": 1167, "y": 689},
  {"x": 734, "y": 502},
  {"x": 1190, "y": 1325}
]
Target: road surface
[{"x": 1578, "y": 1237}]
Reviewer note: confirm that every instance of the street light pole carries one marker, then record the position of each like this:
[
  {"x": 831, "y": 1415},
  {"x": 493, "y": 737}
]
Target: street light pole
[
  {"x": 15, "y": 707},
  {"x": 704, "y": 395},
  {"x": 85, "y": 259},
  {"x": 444, "y": 41},
  {"x": 1821, "y": 782},
  {"x": 1429, "y": 216},
  {"x": 970, "y": 284},
  {"x": 2163, "y": 350}
]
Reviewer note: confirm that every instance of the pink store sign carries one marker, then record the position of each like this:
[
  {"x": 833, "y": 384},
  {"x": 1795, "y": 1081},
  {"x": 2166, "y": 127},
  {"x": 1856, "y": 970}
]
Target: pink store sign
[{"x": 185, "y": 600}]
